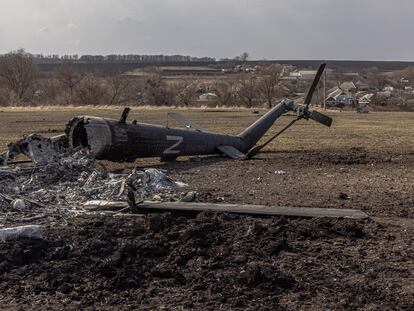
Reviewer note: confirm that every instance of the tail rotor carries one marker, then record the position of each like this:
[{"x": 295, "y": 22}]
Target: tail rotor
[{"x": 303, "y": 113}]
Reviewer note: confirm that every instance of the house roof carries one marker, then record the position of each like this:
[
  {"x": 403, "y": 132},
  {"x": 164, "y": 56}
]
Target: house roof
[
  {"x": 361, "y": 85},
  {"x": 386, "y": 94},
  {"x": 332, "y": 89},
  {"x": 304, "y": 74},
  {"x": 307, "y": 72},
  {"x": 334, "y": 92},
  {"x": 366, "y": 98},
  {"x": 346, "y": 86},
  {"x": 350, "y": 74}
]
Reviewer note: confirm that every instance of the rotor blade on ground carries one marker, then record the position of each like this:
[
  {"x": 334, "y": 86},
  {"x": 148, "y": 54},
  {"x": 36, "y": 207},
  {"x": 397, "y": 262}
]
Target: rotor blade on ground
[
  {"x": 312, "y": 89},
  {"x": 249, "y": 209},
  {"x": 321, "y": 118},
  {"x": 186, "y": 122}
]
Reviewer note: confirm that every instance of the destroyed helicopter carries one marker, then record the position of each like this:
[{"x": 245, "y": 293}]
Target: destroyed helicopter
[{"x": 119, "y": 140}]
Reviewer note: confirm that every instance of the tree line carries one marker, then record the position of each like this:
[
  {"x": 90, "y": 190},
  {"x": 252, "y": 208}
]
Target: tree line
[
  {"x": 22, "y": 84},
  {"x": 111, "y": 58}
]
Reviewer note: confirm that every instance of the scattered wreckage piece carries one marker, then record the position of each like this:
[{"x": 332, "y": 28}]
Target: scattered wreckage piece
[
  {"x": 56, "y": 187},
  {"x": 29, "y": 231},
  {"x": 40, "y": 150},
  {"x": 96, "y": 205},
  {"x": 7, "y": 178},
  {"x": 62, "y": 177},
  {"x": 249, "y": 209},
  {"x": 119, "y": 140}
]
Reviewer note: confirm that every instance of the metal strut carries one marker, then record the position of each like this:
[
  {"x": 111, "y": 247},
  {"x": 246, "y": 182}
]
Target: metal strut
[{"x": 256, "y": 149}]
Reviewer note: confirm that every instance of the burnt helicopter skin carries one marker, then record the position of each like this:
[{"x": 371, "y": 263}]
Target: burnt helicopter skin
[{"x": 118, "y": 140}]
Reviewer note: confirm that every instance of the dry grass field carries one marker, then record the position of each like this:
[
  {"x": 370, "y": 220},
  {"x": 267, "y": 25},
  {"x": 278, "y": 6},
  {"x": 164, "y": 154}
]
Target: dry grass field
[{"x": 378, "y": 131}]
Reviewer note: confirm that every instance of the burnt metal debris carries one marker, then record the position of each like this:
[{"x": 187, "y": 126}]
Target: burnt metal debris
[
  {"x": 40, "y": 150},
  {"x": 60, "y": 179}
]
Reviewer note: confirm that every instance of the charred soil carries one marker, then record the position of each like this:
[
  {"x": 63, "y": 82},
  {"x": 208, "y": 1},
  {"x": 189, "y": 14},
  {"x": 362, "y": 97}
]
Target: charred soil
[
  {"x": 377, "y": 182},
  {"x": 211, "y": 262}
]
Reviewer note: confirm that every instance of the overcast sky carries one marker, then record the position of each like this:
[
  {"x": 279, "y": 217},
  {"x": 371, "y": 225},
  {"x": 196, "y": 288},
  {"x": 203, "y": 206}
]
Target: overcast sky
[{"x": 271, "y": 29}]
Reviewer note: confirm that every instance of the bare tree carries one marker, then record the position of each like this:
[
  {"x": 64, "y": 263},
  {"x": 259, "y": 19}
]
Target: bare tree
[
  {"x": 408, "y": 73},
  {"x": 19, "y": 74},
  {"x": 375, "y": 77},
  {"x": 156, "y": 91},
  {"x": 225, "y": 91},
  {"x": 70, "y": 79},
  {"x": 90, "y": 91},
  {"x": 135, "y": 90},
  {"x": 268, "y": 84},
  {"x": 49, "y": 91},
  {"x": 247, "y": 90},
  {"x": 242, "y": 57},
  {"x": 186, "y": 92},
  {"x": 4, "y": 96},
  {"x": 117, "y": 87}
]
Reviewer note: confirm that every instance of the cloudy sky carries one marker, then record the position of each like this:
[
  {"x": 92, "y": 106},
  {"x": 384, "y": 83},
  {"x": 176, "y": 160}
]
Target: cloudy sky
[{"x": 271, "y": 29}]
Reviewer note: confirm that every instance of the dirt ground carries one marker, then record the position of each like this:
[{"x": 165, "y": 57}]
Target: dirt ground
[{"x": 237, "y": 262}]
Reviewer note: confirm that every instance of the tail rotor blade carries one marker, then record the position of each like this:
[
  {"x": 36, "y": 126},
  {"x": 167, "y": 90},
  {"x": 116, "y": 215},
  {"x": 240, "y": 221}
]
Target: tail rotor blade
[
  {"x": 303, "y": 113},
  {"x": 315, "y": 82},
  {"x": 321, "y": 118},
  {"x": 186, "y": 122}
]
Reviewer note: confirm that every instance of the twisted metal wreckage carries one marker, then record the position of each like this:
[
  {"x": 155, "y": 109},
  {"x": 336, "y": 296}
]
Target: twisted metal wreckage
[{"x": 86, "y": 138}]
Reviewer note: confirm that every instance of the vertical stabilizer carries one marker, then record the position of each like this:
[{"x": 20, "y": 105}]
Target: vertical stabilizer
[{"x": 254, "y": 132}]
